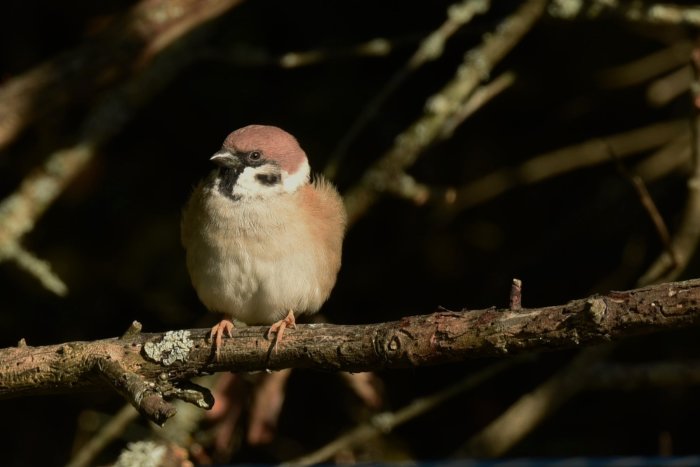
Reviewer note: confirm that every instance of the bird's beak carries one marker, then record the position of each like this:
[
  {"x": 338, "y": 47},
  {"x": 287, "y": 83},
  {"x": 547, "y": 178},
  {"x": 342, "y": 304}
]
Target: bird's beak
[{"x": 225, "y": 158}]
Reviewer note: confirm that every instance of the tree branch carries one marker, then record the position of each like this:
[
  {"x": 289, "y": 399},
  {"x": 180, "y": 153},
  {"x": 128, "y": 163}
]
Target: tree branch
[
  {"x": 149, "y": 369},
  {"x": 476, "y": 66},
  {"x": 166, "y": 50},
  {"x": 126, "y": 46}
]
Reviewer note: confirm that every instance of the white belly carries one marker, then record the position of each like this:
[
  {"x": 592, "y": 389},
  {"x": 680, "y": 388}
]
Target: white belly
[{"x": 255, "y": 271}]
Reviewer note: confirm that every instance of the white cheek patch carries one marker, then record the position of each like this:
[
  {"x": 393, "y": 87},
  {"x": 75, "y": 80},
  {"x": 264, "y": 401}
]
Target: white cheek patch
[
  {"x": 249, "y": 185},
  {"x": 292, "y": 182}
]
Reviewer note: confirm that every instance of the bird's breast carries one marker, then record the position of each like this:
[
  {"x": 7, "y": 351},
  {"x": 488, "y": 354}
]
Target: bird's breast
[{"x": 256, "y": 262}]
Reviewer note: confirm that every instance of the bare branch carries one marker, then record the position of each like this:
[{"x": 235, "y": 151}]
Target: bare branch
[
  {"x": 430, "y": 49},
  {"x": 665, "y": 89},
  {"x": 385, "y": 422},
  {"x": 647, "y": 67},
  {"x": 649, "y": 206},
  {"x": 674, "y": 155},
  {"x": 657, "y": 13},
  {"x": 585, "y": 372},
  {"x": 20, "y": 211},
  {"x": 560, "y": 161},
  {"x": 111, "y": 430},
  {"x": 516, "y": 295},
  {"x": 136, "y": 37},
  {"x": 521, "y": 417},
  {"x": 480, "y": 98},
  {"x": 685, "y": 239},
  {"x": 148, "y": 369},
  {"x": 477, "y": 64}
]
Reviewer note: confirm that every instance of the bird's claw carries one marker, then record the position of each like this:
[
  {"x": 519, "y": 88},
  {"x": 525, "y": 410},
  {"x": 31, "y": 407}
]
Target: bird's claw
[
  {"x": 279, "y": 327},
  {"x": 223, "y": 327}
]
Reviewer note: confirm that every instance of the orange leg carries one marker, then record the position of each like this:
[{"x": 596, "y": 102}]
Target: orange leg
[
  {"x": 223, "y": 327},
  {"x": 279, "y": 327}
]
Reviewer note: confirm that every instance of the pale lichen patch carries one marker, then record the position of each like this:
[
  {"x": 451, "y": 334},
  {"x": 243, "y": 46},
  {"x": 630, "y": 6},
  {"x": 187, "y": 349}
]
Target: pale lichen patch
[
  {"x": 174, "y": 346},
  {"x": 142, "y": 453}
]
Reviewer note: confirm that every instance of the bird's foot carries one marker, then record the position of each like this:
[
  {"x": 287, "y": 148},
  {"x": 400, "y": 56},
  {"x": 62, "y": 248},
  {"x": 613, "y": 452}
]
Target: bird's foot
[
  {"x": 223, "y": 327},
  {"x": 279, "y": 327}
]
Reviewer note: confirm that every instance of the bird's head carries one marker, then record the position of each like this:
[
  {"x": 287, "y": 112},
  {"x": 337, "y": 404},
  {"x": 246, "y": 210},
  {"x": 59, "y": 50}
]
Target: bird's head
[{"x": 259, "y": 161}]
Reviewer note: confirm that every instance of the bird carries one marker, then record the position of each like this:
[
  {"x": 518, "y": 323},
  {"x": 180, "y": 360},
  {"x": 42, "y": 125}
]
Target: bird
[{"x": 263, "y": 241}]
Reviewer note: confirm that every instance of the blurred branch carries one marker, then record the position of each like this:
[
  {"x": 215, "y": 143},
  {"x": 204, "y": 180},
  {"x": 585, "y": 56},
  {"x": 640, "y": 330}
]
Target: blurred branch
[
  {"x": 458, "y": 14},
  {"x": 480, "y": 98},
  {"x": 249, "y": 55},
  {"x": 685, "y": 240},
  {"x": 531, "y": 409},
  {"x": 649, "y": 206},
  {"x": 555, "y": 163},
  {"x": 108, "y": 433},
  {"x": 620, "y": 376},
  {"x": 476, "y": 66},
  {"x": 125, "y": 47},
  {"x": 674, "y": 155},
  {"x": 663, "y": 90},
  {"x": 385, "y": 422},
  {"x": 642, "y": 70},
  {"x": 655, "y": 13},
  {"x": 35, "y": 266},
  {"x": 159, "y": 60},
  {"x": 584, "y": 373},
  {"x": 378, "y": 47},
  {"x": 149, "y": 369}
]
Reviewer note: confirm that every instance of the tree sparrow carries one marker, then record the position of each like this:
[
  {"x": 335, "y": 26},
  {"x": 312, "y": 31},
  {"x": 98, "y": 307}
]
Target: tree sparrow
[{"x": 262, "y": 240}]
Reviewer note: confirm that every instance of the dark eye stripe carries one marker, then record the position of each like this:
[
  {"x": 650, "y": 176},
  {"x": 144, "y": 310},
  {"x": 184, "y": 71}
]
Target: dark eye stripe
[{"x": 268, "y": 179}]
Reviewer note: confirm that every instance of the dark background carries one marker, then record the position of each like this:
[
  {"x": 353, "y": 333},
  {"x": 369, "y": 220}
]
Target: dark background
[{"x": 113, "y": 236}]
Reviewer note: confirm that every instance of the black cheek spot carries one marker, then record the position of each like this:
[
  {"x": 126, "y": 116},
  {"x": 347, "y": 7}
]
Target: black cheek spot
[{"x": 268, "y": 179}]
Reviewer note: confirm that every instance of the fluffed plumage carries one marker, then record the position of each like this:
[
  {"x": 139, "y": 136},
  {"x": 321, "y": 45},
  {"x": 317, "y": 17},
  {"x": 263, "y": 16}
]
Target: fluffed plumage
[{"x": 261, "y": 239}]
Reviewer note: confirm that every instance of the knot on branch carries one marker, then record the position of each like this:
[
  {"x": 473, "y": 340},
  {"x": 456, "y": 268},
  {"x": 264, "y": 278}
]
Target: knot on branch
[
  {"x": 388, "y": 346},
  {"x": 143, "y": 395},
  {"x": 595, "y": 309},
  {"x": 150, "y": 398}
]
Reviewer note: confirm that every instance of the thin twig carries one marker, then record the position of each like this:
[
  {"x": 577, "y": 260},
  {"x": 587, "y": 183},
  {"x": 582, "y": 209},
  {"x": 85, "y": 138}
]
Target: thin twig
[
  {"x": 35, "y": 266},
  {"x": 385, "y": 422},
  {"x": 628, "y": 377},
  {"x": 480, "y": 98},
  {"x": 643, "y": 69},
  {"x": 649, "y": 206},
  {"x": 586, "y": 372},
  {"x": 685, "y": 241},
  {"x": 477, "y": 64},
  {"x": 20, "y": 211},
  {"x": 76, "y": 76},
  {"x": 108, "y": 433},
  {"x": 663, "y": 90},
  {"x": 531, "y": 409},
  {"x": 516, "y": 295},
  {"x": 248, "y": 55},
  {"x": 641, "y": 12},
  {"x": 558, "y": 162},
  {"x": 673, "y": 156},
  {"x": 430, "y": 49}
]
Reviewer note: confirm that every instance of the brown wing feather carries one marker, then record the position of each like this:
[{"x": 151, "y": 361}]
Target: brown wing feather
[{"x": 327, "y": 220}]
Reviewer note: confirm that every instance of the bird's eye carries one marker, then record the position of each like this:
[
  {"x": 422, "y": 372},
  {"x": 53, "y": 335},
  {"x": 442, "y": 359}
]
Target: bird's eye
[{"x": 255, "y": 155}]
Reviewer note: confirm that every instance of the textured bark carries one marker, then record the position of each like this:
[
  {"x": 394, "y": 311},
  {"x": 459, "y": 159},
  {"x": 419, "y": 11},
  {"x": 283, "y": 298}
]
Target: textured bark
[
  {"x": 121, "y": 50},
  {"x": 151, "y": 368}
]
